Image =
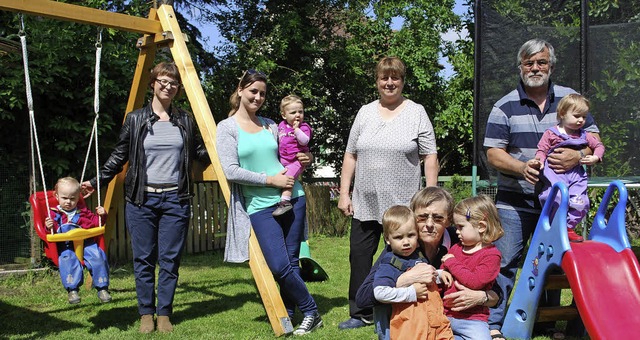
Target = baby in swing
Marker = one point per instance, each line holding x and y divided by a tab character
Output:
66	216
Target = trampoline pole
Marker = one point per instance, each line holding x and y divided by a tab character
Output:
476	94
584	45
474	182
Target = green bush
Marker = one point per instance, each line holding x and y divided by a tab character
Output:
458	187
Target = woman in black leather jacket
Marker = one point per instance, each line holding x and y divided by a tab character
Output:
160	143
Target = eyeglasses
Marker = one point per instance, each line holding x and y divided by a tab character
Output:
543	64
165	83
423	218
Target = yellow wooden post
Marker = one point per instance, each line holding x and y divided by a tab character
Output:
85	15
277	313
114	199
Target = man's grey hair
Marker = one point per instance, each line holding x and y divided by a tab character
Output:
534	46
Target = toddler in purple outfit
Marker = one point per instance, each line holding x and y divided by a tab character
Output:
293	137
572	113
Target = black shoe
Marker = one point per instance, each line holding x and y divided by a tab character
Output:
309	323
283	208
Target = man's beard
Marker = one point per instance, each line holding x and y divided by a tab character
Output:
535	82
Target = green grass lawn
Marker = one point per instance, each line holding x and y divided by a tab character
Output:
214	300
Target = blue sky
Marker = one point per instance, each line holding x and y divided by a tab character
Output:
213	38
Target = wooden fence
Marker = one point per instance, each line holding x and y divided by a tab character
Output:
208	225
207	228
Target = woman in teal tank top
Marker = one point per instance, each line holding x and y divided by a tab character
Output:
248	150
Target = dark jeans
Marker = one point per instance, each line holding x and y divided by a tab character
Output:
363	244
158	230
279	239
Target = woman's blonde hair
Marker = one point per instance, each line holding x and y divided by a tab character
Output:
392	66
396	216
248	77
573	102
288	100
481	208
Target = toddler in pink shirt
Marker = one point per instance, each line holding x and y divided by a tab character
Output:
293	137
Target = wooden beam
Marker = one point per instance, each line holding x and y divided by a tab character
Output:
139	87
545	314
556	281
85	15
269	292
150	41
194	92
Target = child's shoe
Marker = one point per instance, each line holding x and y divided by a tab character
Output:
283	208
309	323
104	295
164	324
74	297
573	236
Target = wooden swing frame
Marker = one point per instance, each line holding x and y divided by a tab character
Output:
160	29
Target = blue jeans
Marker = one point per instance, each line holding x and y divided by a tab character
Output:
381	320
158	230
469	329
518	228
279	239
70	267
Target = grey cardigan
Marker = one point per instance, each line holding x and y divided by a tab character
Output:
238	223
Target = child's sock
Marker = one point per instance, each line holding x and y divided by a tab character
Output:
285	198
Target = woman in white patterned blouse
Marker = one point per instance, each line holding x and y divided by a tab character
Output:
389	139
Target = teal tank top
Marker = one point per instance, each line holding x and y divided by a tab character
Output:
258	152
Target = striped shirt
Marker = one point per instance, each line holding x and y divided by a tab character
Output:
516	124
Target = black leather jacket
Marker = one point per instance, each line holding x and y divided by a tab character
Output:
130	148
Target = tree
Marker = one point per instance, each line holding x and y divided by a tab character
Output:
326	51
454	123
61	67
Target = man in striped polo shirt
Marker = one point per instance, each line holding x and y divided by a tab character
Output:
515	125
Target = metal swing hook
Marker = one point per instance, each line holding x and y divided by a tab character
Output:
99	38
22	31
